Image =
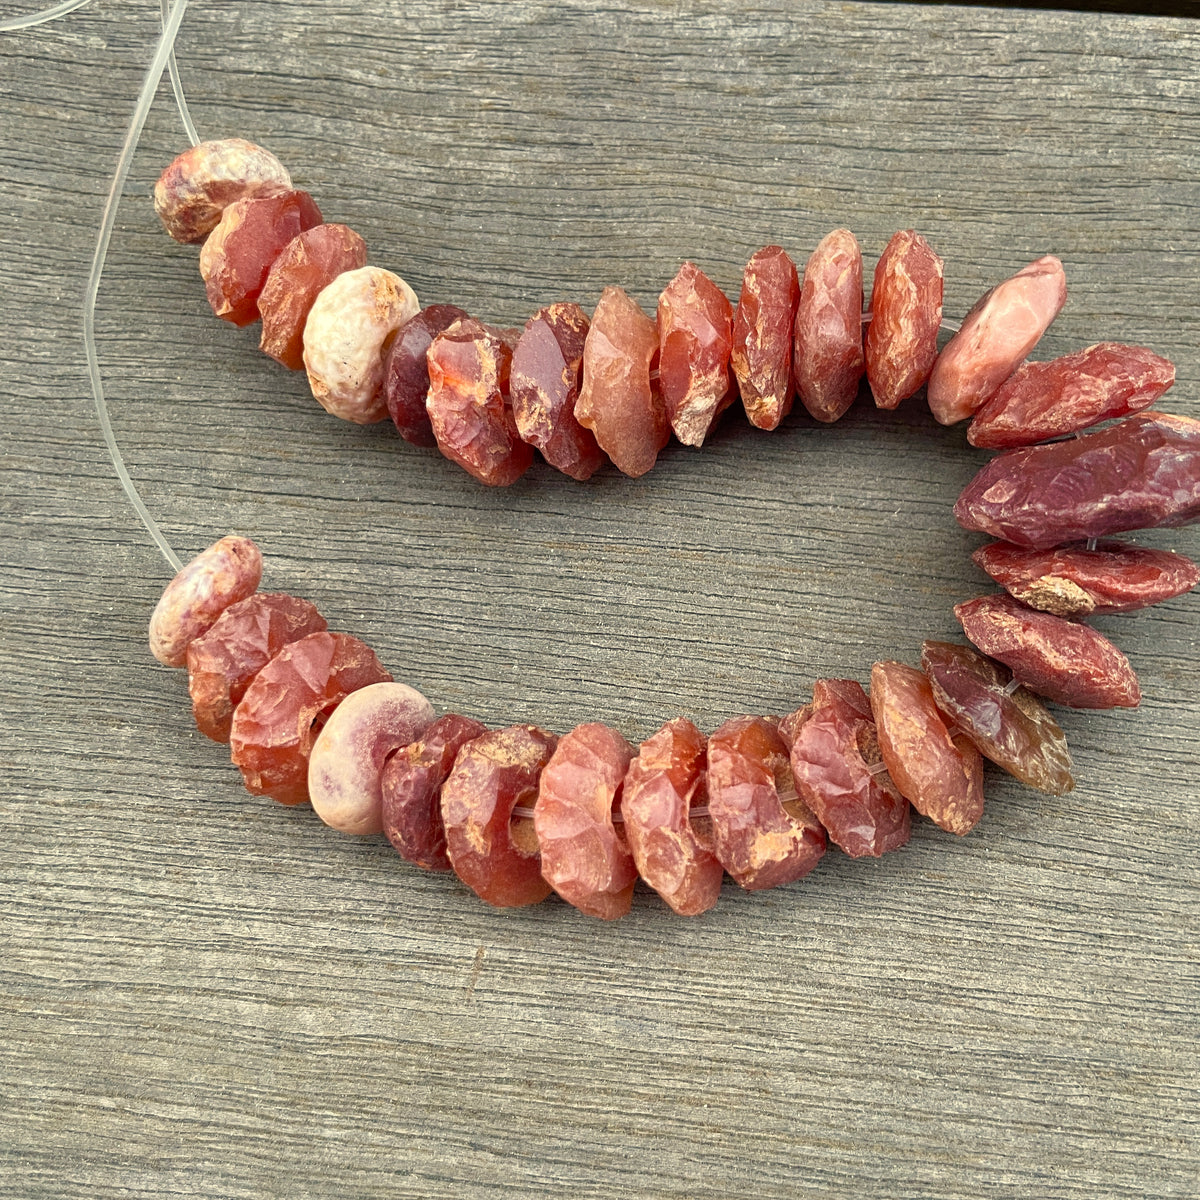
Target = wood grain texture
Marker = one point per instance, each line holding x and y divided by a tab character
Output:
202	994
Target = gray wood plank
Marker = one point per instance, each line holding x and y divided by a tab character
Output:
205	994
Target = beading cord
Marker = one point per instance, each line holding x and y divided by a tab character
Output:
12	24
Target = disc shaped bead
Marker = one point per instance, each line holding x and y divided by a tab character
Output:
412	790
228	571
493	853
307	265
345	767
1064	661
764	834
237	256
193	192
836	763
585	857
1009	725
695	337
468	405
348	327
279	717
620	400
906	314
243	639
829	360
406	371
763	327
547	371
939	772
672	846
1003	327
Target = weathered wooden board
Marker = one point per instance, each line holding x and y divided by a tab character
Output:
204	994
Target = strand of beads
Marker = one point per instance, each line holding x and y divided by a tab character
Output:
312	716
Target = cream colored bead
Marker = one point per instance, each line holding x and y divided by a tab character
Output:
345	337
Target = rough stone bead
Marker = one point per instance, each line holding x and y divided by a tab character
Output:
695	337
547	370
764	834
672	847
1077	581
193	192
306	266
835	760
345	336
280	715
619	400
585	857
761	355
1140	473
1062	660
941	773
237	256
828	347
495	855
1003	327
1048	399
345	768
468	404
906	314
243	639
412	790
1009	726
406	371
228	571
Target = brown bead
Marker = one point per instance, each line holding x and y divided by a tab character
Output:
547	371
906	314
764	834
237	256
306	265
695	337
406	371
619	400
493	853
672	847
763	327
829	360
1062	660
468	404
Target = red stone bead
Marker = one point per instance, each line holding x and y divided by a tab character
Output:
672	847
695	337
244	638
1062	660
585	856
764	834
468	403
835	761
238	254
763	327
1048	399
1140	473
281	713
906	314
305	266
406	371
547	372
1003	327
412	790
939	771
619	400
829	359
493	853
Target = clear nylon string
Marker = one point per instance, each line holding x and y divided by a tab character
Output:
176	83
11	24
166	44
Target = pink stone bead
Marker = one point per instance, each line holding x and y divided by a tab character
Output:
228	571
763	328
1003	327
350	752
